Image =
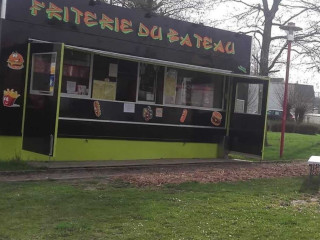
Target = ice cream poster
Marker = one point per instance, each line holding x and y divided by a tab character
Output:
10	97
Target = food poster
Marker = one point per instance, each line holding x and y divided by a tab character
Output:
216	119
159	112
147	113
97	108
15	61
104	90
9	98
170	85
183	115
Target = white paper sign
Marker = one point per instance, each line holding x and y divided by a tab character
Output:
113	70
129	107
71	87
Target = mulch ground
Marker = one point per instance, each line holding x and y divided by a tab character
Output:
213	174
159	175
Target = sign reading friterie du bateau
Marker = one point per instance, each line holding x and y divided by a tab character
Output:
195	44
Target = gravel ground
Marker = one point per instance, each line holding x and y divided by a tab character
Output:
159	175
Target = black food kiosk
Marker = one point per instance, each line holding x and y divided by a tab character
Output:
84	80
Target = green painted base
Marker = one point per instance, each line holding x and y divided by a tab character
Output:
73	149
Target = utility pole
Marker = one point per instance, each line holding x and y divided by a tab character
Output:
290	29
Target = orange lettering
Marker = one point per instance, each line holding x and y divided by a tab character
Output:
106	22
173	35
186	41
88	19
78	15
218	47
207	43
36	6
153	34
199	40
143	31
54	12
230	48
126	26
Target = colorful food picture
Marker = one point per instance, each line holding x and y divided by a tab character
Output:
10	97
183	115
147	114
159	112
97	108
15	61
216	119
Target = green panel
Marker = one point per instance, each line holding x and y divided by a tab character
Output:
93	149
10	148
25	91
58	102
69	149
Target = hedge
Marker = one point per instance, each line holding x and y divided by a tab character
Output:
293	127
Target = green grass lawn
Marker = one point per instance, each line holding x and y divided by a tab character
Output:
259	209
297	146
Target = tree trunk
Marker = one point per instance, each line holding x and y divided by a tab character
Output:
265	49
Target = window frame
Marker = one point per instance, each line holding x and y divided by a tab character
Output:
89	96
236	94
40	92
139	61
195	107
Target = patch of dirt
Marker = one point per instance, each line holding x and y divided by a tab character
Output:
301	203
175	174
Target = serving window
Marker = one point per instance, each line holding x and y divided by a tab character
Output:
76	73
248	98
96	76
188	88
150	83
43	73
114	79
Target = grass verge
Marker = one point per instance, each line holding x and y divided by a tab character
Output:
261	209
297	146
15	165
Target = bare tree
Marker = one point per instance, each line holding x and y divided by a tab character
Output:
279	96
304	101
180	9
259	17
300	99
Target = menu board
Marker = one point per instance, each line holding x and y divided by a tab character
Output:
104	90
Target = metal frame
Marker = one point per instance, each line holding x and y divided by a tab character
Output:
136	123
255	114
161	62
89	86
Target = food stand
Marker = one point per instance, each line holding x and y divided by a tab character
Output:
84	80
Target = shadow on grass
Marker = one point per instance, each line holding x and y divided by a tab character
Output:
310	185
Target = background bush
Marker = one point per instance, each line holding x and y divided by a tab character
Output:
293	127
